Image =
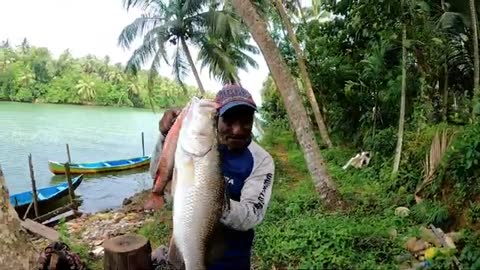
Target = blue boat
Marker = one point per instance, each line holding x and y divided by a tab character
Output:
46	195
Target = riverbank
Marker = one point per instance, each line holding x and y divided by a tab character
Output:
298	233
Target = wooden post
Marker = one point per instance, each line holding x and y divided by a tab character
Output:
143	145
127	252
34	186
68	154
71	192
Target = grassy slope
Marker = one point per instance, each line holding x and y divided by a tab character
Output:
297	233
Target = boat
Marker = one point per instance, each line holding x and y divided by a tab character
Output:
98	167
46	195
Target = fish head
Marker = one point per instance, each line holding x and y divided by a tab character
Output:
198	133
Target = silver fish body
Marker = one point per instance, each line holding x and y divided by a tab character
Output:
199	192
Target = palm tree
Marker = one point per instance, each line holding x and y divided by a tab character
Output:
304	75
401	121
86	89
293	102
174	22
180	21
476	60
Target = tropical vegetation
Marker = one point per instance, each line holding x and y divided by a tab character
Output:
32	74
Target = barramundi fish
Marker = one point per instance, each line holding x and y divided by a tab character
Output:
199	187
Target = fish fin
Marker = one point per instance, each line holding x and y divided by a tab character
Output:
175	257
216	245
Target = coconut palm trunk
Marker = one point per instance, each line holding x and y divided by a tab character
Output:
192	65
401	121
295	110
16	252
304	73
476	64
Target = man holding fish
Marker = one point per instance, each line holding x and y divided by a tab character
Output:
242	184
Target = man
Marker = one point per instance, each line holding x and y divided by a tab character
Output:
248	171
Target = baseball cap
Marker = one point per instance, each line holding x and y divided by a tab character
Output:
233	95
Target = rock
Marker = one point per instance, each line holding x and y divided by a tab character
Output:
404	257
97	242
429	236
416	246
127	201
402	211
98	251
455	236
392	233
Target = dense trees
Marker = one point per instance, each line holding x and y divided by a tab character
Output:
31	74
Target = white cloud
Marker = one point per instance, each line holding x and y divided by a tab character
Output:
91	26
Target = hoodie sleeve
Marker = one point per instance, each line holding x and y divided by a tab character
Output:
256	193
157	151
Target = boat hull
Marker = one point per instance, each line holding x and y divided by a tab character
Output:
48	197
99	167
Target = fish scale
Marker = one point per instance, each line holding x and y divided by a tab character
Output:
200	188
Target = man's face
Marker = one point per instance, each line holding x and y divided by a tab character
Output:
235	127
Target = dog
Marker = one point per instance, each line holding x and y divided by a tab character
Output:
359	161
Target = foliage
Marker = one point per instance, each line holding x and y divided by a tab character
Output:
81	249
213	28
31	74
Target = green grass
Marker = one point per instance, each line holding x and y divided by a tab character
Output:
298	234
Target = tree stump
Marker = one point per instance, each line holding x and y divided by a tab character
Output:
127	252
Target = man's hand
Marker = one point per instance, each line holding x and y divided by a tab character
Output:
167	120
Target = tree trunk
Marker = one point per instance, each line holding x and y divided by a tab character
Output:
192	65
476	71
445	82
16	251
401	122
445	92
127	252
304	73
295	110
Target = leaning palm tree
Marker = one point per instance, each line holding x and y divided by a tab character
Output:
296	112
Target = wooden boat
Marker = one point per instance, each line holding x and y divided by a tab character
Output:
102	166
46	195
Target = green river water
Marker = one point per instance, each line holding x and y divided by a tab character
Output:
93	134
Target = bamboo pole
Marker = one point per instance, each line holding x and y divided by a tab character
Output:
34	186
143	145
68	154
71	192
28	210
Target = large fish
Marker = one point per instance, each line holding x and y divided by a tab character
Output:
199	187
165	166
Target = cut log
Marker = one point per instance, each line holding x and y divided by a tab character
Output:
127	252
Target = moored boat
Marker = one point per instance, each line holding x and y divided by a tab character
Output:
46	195
98	167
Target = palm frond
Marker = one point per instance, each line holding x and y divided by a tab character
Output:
221	65
438	148
137	28
153	45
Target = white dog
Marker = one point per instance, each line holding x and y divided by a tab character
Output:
359	161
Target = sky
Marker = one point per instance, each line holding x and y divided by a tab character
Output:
92	27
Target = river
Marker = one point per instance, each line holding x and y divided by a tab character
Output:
93	134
